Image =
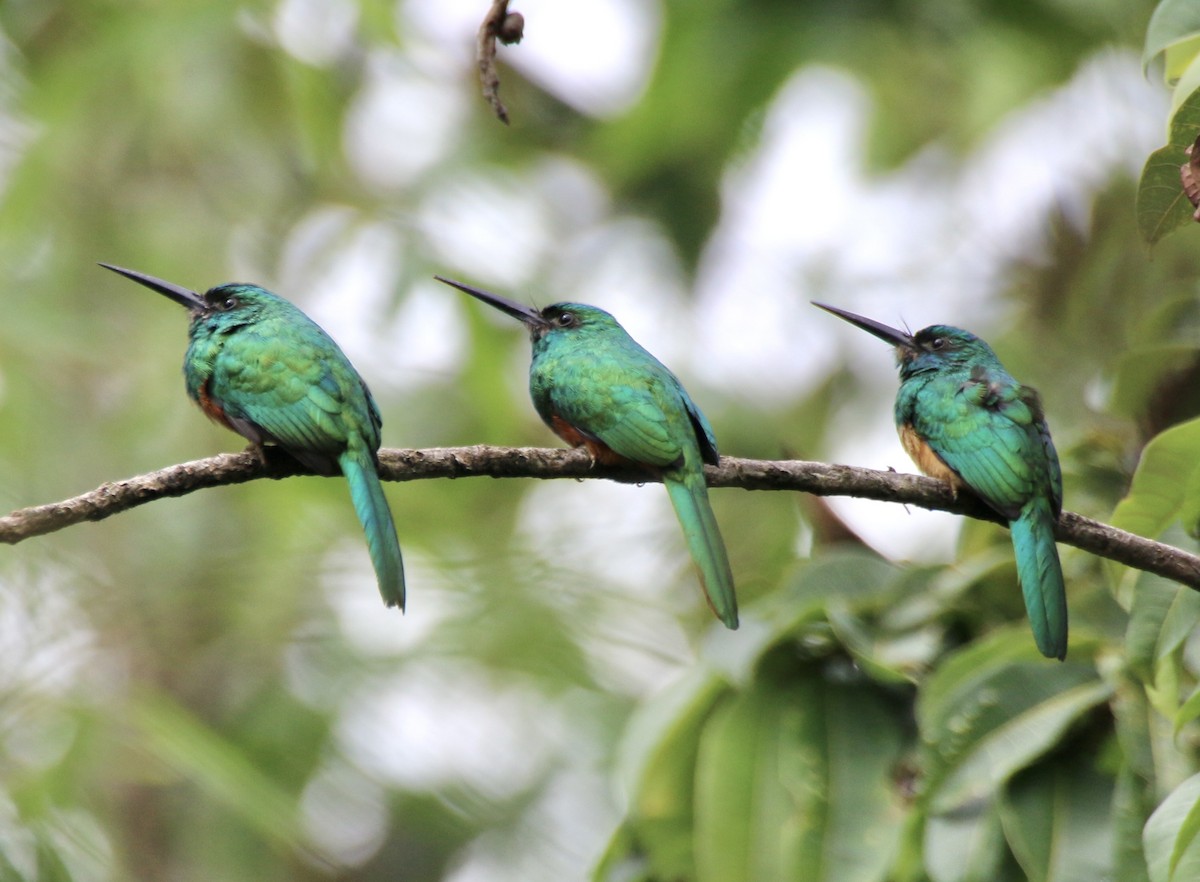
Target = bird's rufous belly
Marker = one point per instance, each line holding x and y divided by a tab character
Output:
928	461
598	450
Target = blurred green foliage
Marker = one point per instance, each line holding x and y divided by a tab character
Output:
207	688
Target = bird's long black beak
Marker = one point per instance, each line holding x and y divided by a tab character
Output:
183	296
880	330
527	315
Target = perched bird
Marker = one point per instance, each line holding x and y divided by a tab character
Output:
595	387
259	366
964	420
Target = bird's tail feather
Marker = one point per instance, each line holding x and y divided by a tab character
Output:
689	495
1041	577
372	508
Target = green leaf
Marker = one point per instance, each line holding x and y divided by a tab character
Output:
794	781
661	728
1163	615
1166	485
1173	23
1188	83
1179	58
881	656
1057	819
1188	711
1182	618
854	581
1140	372
1162	206
656	765
1172	835
1130	811
991	710
966	846
858	581
1136	729
927	595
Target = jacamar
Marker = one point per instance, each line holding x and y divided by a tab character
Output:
596	388
964	420
258	365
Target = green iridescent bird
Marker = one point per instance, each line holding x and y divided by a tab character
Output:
964	420
595	387
259	366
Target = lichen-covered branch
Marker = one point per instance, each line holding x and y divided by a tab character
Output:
818	478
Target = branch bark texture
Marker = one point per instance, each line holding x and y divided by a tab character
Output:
818	478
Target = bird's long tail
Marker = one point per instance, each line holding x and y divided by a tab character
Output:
358	465
689	495
1041	577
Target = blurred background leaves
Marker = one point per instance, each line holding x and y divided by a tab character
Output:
209	687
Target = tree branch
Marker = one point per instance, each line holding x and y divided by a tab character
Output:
817	478
508	28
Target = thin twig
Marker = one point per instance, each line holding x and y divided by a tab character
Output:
498	24
818	478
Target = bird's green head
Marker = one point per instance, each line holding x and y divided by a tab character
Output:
558	318
231	304
934	348
941	346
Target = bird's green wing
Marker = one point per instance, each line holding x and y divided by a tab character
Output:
302	393
1047	446
991	432
638	420
606	386
704	433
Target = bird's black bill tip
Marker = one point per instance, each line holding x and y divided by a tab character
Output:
880	330
453	284
519	311
183	296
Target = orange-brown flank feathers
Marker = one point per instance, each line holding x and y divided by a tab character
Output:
928	461
597	450
211	407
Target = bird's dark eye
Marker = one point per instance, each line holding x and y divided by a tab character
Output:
937	342
229	303
565	319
